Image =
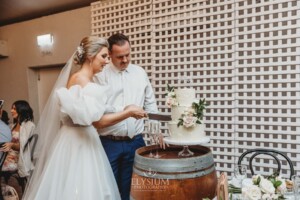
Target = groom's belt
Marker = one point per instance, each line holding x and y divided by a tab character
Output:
118	138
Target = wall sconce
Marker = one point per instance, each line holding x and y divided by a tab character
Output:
45	42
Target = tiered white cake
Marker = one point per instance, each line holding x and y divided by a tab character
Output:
182	111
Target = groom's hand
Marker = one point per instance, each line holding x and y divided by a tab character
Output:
136	111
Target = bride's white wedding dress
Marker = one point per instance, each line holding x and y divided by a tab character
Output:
77	166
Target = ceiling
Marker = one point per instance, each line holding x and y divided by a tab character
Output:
13	11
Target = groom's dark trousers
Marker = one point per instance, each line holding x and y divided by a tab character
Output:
120	152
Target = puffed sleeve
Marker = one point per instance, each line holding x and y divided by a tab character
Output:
82	108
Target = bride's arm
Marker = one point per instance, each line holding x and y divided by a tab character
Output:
114	118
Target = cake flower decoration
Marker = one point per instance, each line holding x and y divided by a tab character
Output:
171	97
193	115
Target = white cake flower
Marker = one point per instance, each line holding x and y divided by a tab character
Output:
171	102
189	111
171	94
189	121
171	97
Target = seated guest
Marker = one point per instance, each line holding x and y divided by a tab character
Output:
5	133
22	129
4	117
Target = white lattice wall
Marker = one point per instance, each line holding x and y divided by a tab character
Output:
242	55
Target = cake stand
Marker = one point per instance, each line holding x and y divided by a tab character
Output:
186	152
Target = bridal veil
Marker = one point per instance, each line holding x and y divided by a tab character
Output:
47	128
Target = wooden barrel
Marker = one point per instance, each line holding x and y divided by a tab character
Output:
171	177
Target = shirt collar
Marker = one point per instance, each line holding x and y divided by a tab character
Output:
116	70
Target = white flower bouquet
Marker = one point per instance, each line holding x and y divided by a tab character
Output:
263	188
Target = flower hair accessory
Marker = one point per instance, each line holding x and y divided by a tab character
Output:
80	51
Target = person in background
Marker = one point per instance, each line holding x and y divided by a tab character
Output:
4	117
5	132
23	127
129	85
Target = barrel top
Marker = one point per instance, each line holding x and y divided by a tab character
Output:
172	152
169	162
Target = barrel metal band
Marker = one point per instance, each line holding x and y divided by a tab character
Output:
153	174
174	165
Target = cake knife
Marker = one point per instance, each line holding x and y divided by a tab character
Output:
160	117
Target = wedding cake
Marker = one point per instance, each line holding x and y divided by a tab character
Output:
186	113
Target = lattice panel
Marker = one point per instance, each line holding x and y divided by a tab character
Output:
132	18
267	78
242	56
191	42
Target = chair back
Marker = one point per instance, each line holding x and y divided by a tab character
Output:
2	159
269	152
31	143
2	156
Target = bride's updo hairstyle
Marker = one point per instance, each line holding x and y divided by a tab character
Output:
89	47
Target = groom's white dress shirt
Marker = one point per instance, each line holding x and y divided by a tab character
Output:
127	87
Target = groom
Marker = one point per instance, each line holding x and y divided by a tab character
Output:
129	84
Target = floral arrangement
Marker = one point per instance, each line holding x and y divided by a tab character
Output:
192	115
270	188
171	97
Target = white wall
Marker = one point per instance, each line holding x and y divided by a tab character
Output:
68	28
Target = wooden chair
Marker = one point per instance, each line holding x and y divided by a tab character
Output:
32	140
270	152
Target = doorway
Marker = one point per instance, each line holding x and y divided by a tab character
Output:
41	81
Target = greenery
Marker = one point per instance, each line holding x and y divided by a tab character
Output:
197	113
170	88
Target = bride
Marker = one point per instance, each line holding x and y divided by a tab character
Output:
71	162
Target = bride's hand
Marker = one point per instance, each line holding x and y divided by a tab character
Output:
135	111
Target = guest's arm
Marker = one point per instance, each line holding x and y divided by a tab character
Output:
10	145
